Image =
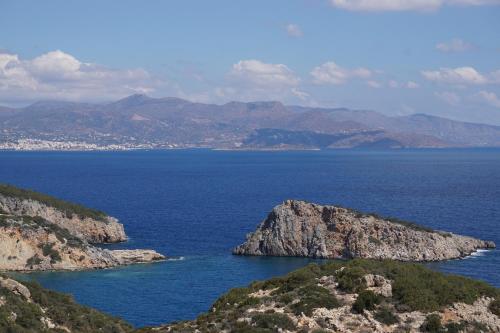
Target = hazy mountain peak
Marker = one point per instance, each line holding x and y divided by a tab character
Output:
134	99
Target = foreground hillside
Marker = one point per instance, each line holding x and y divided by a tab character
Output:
303	229
28	308
139	121
40	232
354	296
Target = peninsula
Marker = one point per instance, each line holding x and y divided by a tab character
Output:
40	232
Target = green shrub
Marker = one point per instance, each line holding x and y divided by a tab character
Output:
386	316
366	300
494	307
285	298
455	327
234	298
313	297
407	224
426	290
48	250
273	321
351	279
432	324
59	307
33	261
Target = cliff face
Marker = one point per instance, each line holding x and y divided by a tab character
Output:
105	230
29	244
38	232
297	228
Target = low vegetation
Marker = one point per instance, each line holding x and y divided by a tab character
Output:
386	316
495	307
395	220
68	208
19	316
367	300
415	288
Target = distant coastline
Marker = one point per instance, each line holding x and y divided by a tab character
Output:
76	146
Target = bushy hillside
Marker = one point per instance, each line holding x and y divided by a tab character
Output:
28	308
353	296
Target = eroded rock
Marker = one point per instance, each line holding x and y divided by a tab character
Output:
298	228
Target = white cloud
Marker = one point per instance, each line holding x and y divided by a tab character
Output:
406	5
489	98
293	30
331	73
302	95
449	97
263	74
459	76
374	84
58	75
455	45
256	80
412	85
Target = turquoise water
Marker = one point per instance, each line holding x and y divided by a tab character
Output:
199	204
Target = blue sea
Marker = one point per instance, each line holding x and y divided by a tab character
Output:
196	205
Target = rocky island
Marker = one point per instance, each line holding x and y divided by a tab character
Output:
302	229
40	232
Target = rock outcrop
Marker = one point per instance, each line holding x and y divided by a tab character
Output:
31	244
298	228
35	235
90	225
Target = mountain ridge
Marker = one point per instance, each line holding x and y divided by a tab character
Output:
142	121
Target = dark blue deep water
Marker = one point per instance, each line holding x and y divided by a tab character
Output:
198	204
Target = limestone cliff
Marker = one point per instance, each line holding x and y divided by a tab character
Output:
298	228
38	232
88	224
35	244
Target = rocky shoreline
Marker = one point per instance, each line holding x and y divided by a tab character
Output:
39	233
302	229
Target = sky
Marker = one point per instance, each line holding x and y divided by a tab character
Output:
398	57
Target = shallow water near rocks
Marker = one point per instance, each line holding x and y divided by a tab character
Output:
197	205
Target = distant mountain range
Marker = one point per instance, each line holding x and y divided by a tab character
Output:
141	121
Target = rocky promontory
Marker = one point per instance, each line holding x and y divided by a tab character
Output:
302	229
88	224
38	232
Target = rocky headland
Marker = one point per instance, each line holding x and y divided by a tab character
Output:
302	229
39	232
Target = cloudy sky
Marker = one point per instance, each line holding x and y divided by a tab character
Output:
398	57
